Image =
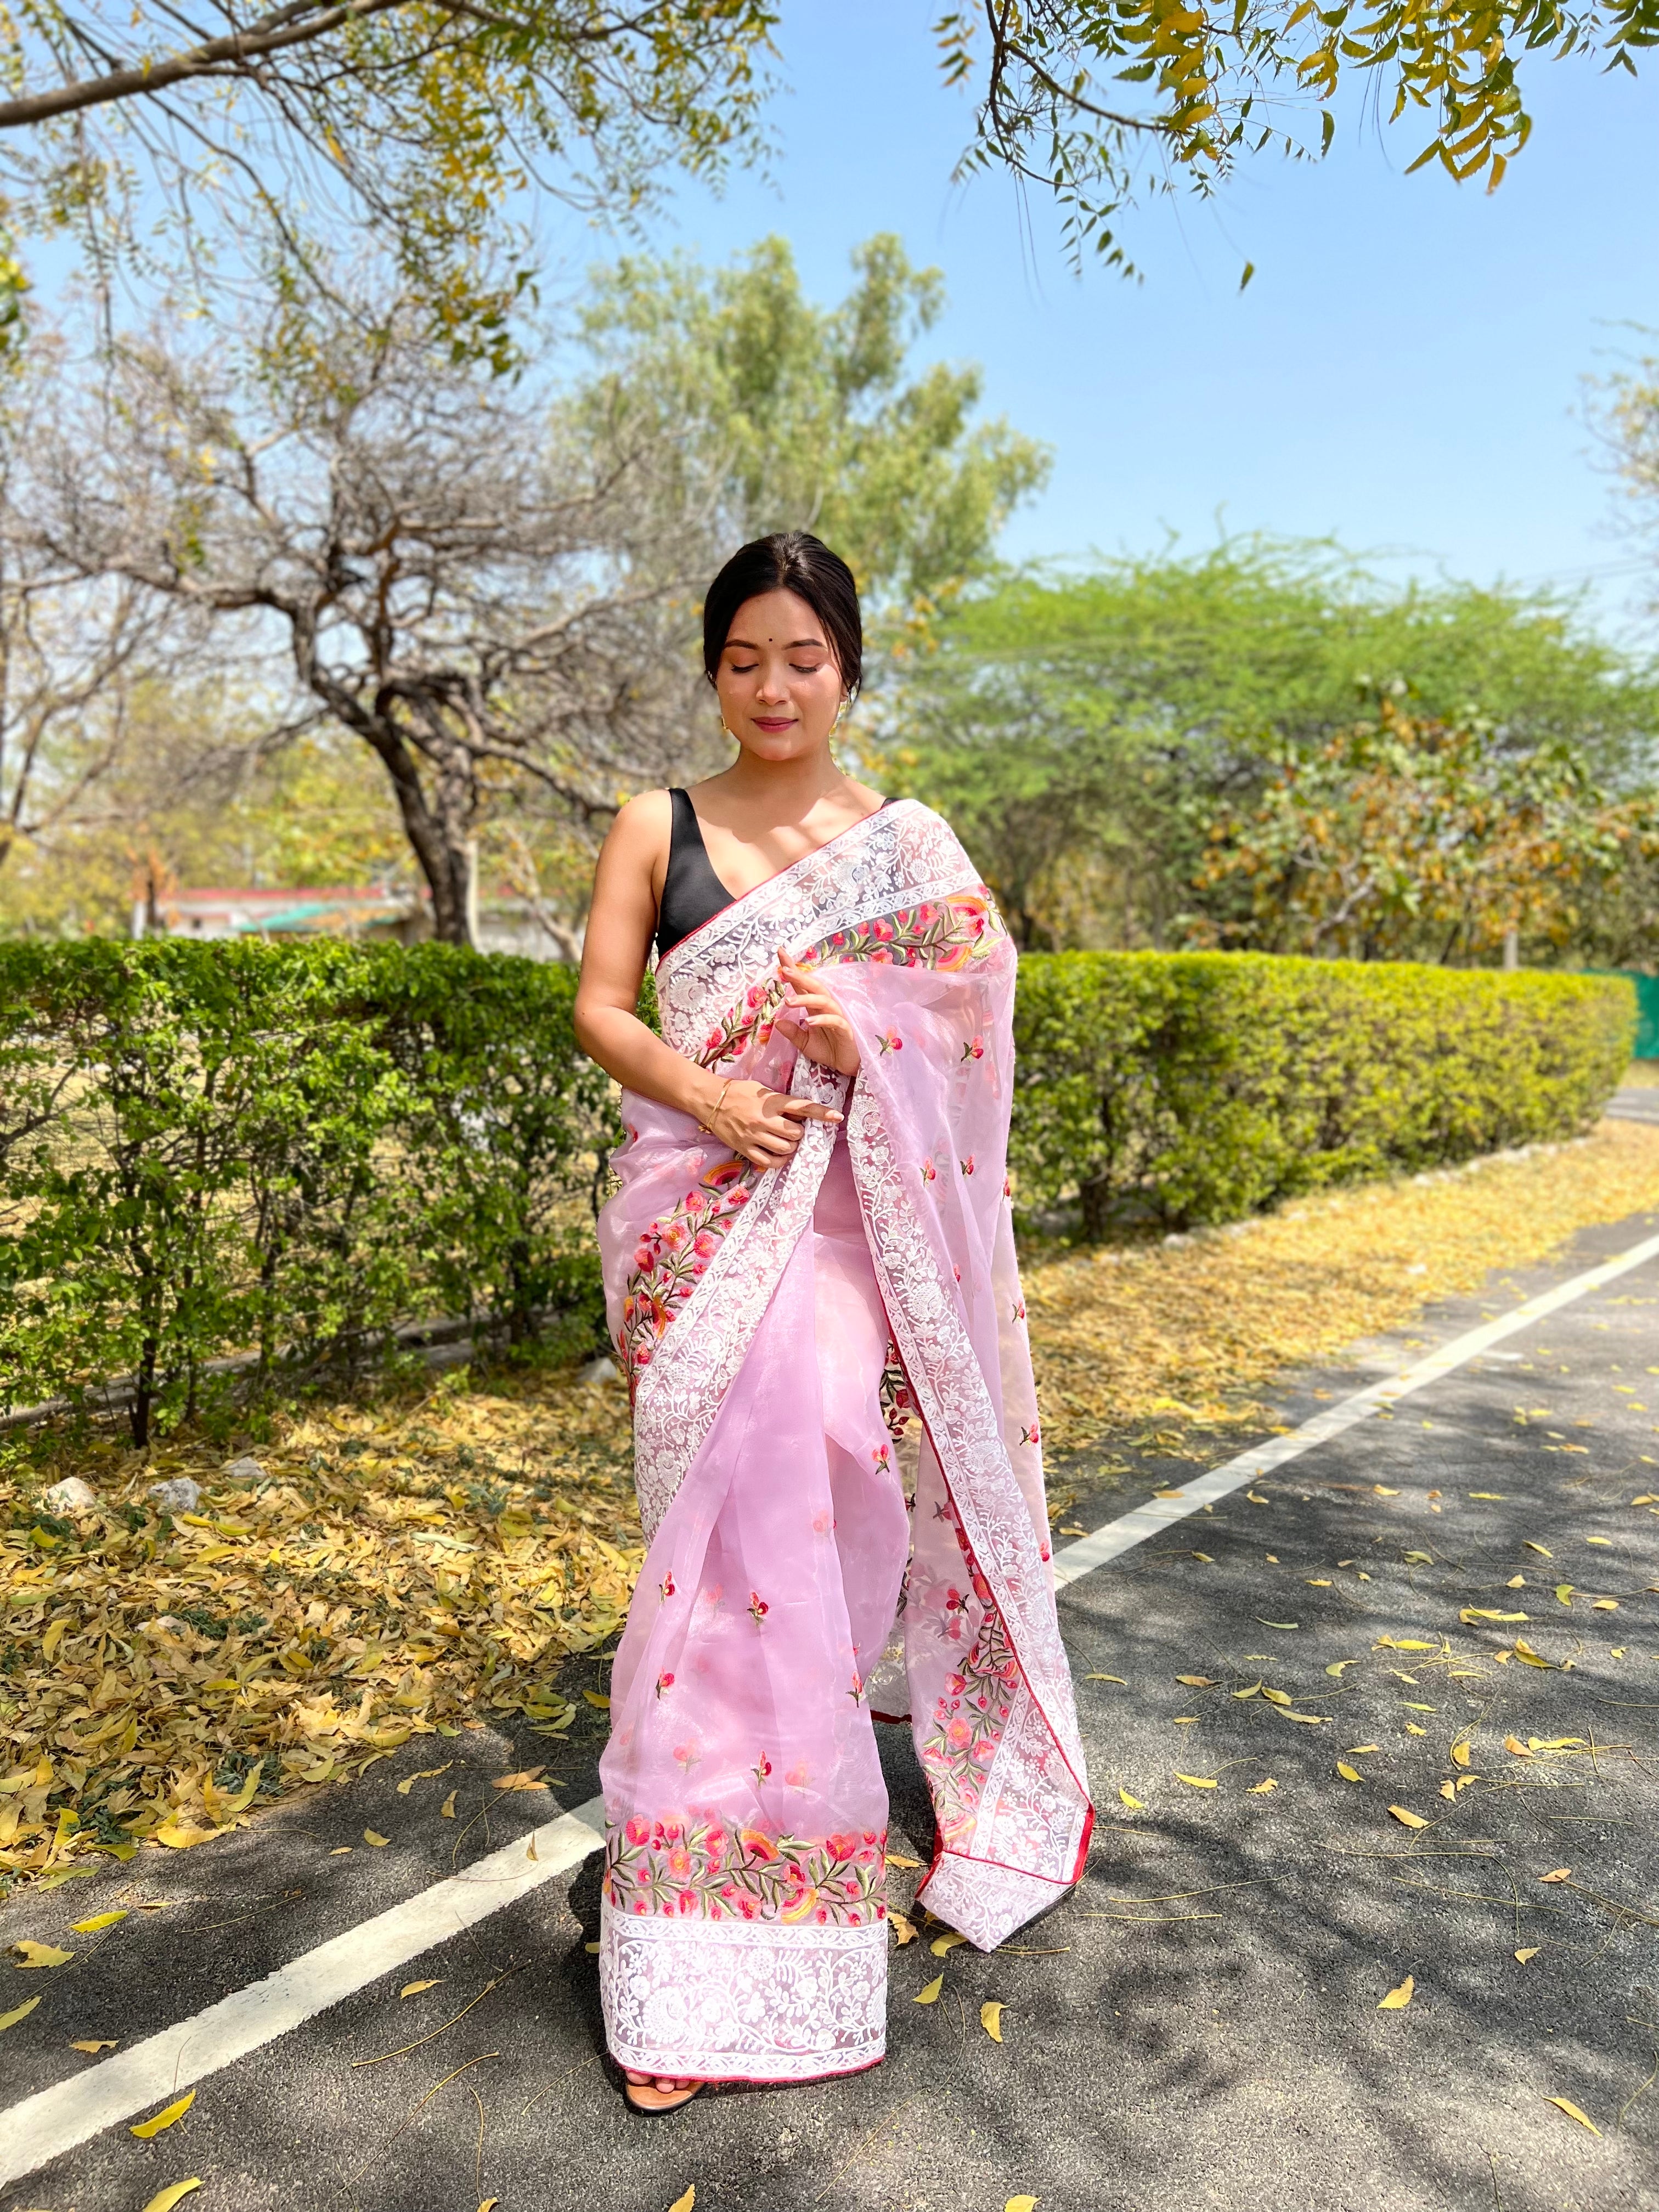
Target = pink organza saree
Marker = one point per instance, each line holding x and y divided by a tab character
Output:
778	1330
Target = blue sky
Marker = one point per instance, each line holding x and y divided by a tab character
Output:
1404	370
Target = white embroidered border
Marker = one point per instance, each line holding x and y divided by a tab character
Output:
901	855
680	1392
754	1999
943	1371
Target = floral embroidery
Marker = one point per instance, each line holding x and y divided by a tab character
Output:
699	1867
967	1167
1018	1309
897	1406
1033	1435
970	1717
929	1172
664	1682
758	1608
671	1256
945	934
973	1049
665	1587
889	1041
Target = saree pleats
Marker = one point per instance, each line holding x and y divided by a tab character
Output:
776	1329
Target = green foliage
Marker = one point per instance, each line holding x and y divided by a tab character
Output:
208	1150
1406	838
1082	733
1197	1087
797	416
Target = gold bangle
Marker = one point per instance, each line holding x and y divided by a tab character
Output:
719	1102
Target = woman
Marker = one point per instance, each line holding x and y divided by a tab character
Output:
812	1241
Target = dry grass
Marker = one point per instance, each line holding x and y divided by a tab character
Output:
1165	1343
384	1572
402	1567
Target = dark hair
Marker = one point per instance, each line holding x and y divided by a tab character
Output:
788	561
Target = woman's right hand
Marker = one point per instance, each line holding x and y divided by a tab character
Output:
765	1127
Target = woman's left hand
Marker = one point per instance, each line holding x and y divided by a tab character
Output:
823	1031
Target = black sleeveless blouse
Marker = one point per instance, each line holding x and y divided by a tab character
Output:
692	893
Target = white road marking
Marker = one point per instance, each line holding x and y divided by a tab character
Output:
43	2127
151	2072
1117	1537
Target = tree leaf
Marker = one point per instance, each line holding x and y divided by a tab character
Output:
1565	2105
990	2018
597	1698
1406	1818
1543	1549
1196	1682
174	2193
685	2204
1397	2000
1133	1803
527	1780
97	1920
948	1941
930	1995
1198	1780
1560	1874
1020	2204
414	1989
1260	1789
1107	1678
904	1931
1461	1751
1531	1952
40	1954
1348	1773
446	1810
164	2117
373	1836
92	2048
21	2012
1337	1665
898	1859
426	1774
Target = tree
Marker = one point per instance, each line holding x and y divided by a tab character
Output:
1412	839
268	132
492	585
812	417
1083	731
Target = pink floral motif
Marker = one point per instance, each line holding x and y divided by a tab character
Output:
967	1165
762	1768
973	1049
673	1255
881	1455
665	1587
1019	1309
758	1608
889	1041
664	1682
1034	1434
945	934
698	1867
897	1404
929	1172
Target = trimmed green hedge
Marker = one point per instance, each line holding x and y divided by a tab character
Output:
212	1149
1201	1086
209	1149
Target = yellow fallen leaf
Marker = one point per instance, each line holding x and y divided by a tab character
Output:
990	2018
1348	1773
1598	1539
1397	2000
426	1774
1492	1494
446	1810
929	1995
1564	1594
1277	1696
178	1838
904	1931
1531	1952
98	1920
1265	1623
1256	1497
597	1698
1358	1750
526	1779
1196	1682
1523	1650
1254	1691
1107	1678
1565	2105
685	2204
165	2118
174	2193
1560	1874
1406	1818
105	2042
341	1851
898	1859
1204	1556
1168	1493
414	1989
370	1835
1605	1605
1474	1613
1412	1728
21	2012
1382	1490
1197	1781
53	1636
1030	2203
1133	1803
1337	1665
1313	1582
1515	1581
40	1954
1448	1790
1260	1789
1542	1549
1461	1751
489	2204
1514	1745
948	1941
592	1949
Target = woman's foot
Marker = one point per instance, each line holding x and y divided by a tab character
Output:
658	2092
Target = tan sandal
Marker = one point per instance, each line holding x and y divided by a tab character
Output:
664	2100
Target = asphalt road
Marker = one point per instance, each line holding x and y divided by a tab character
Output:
1198	2026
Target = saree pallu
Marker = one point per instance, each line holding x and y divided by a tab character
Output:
778	1329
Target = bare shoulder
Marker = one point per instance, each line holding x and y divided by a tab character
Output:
869	799
642	827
